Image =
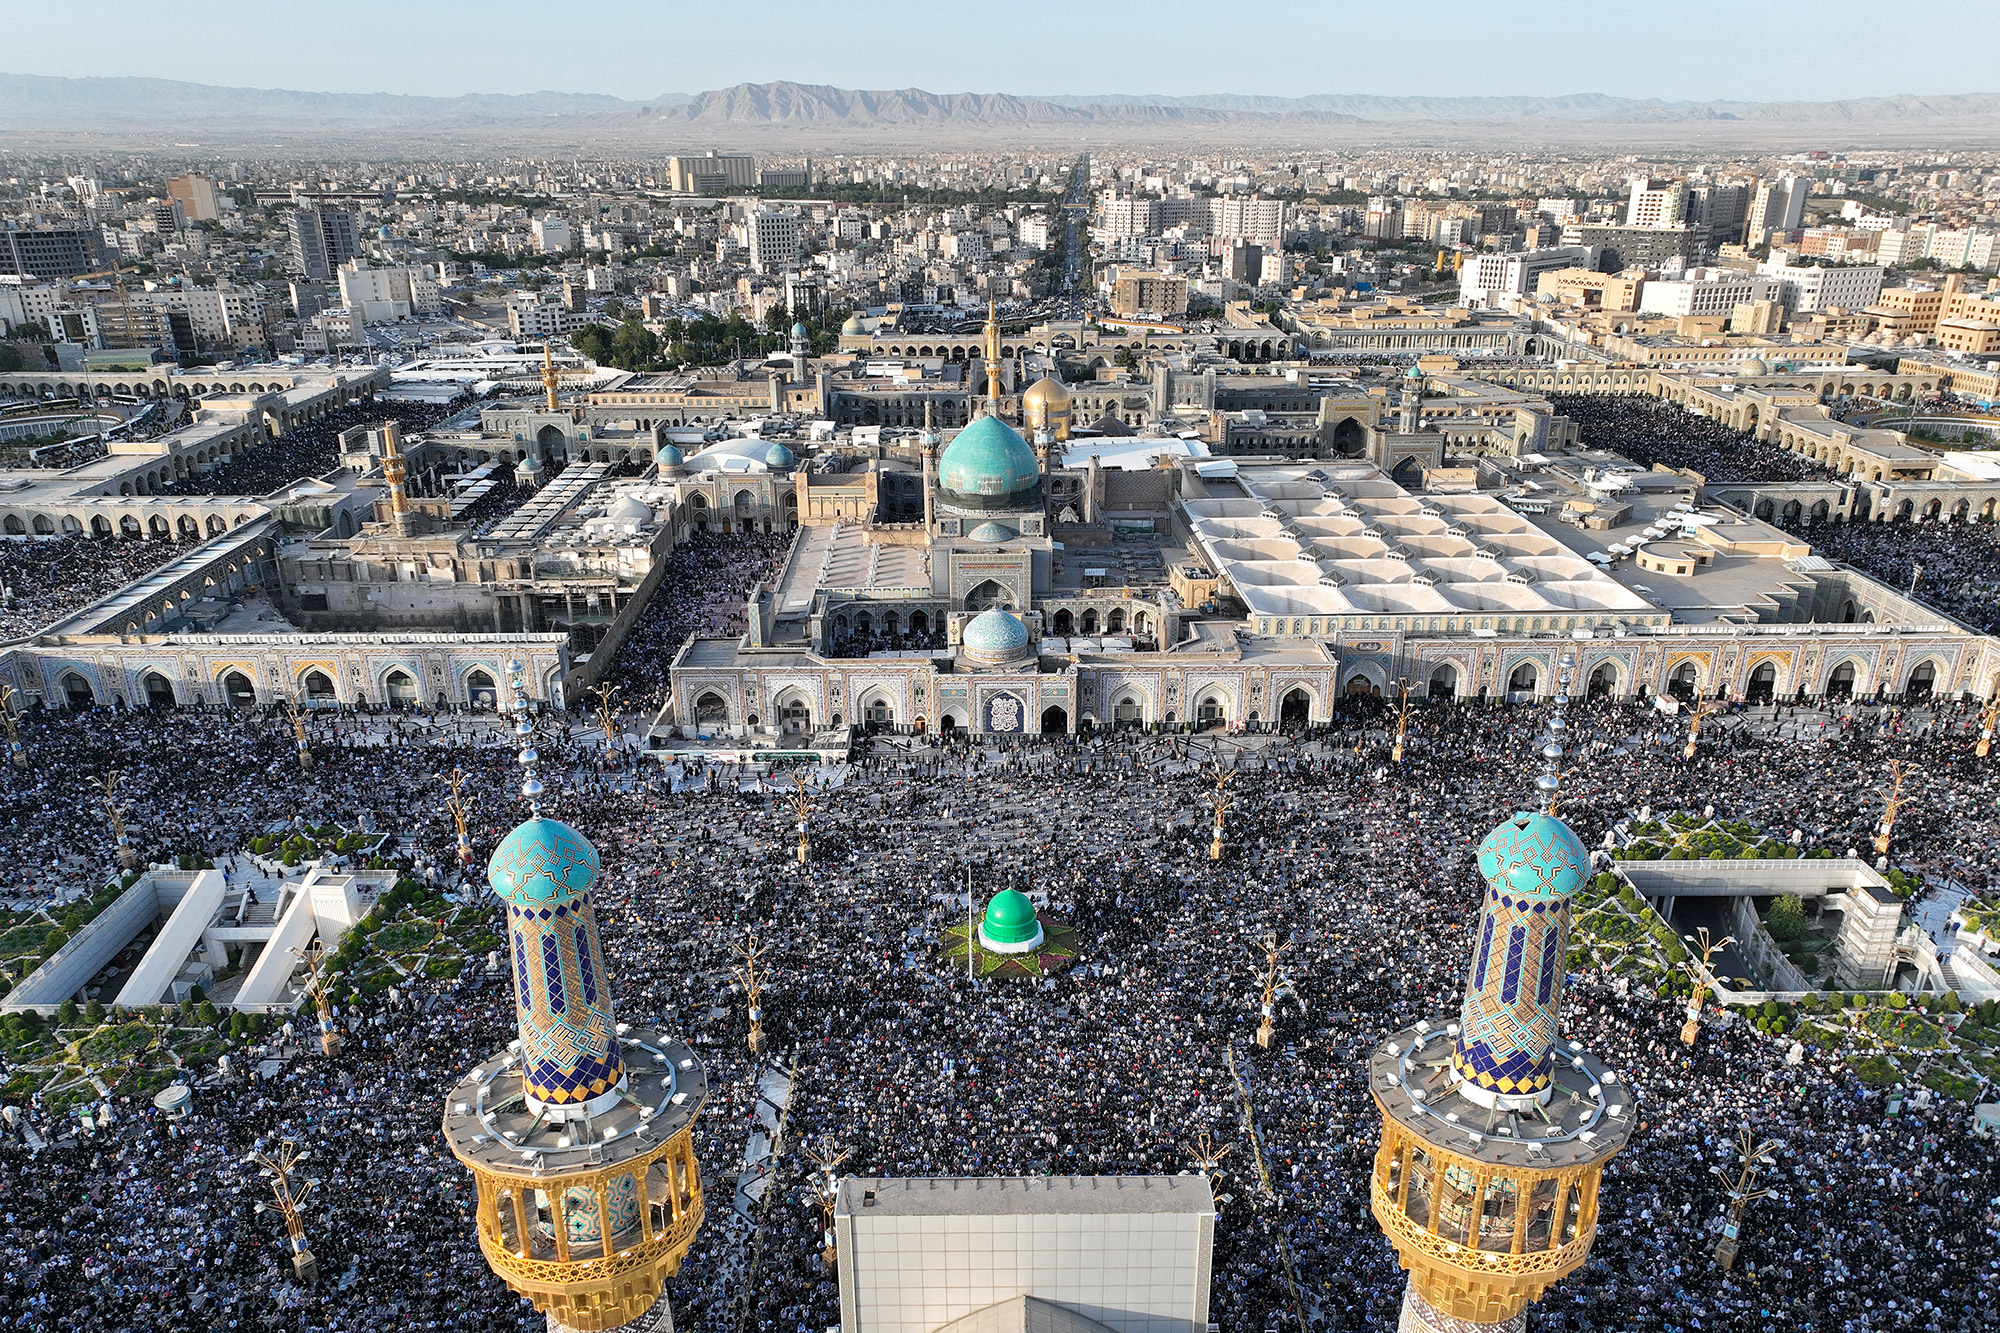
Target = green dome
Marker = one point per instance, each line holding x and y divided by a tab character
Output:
989	460
1010	918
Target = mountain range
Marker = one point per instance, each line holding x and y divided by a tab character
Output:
140	110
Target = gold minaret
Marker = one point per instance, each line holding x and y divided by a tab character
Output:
1494	1134
992	357
580	1135
396	473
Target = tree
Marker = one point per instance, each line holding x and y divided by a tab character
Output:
1786	919
67	1014
1125	360
10	358
594	341
634	346
93	1012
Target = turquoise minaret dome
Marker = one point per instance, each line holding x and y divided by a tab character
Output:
778	456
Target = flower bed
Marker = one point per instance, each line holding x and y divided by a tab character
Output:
1056	953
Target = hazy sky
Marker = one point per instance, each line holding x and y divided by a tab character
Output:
1757	50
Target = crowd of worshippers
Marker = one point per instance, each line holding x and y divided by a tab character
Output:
45	579
1116	1066
702	595
1952	566
1654	432
311	449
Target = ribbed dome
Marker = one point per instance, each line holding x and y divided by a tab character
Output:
778	456
995	633
541	864
990	531
1010	918
668	455
1534	856
629	508
990	460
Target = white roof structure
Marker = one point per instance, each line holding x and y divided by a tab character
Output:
1341	540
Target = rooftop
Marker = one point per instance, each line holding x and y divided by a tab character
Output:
957	1196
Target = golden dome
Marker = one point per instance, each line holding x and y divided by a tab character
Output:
1046	406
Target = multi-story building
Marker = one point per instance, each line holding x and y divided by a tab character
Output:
1778	205
1255	219
1147	294
376	294
1655	203
1621	247
1805	289
711	172
48	252
1717	212
772	238
323	238
1705	291
530	316
1488	277
196	196
552	235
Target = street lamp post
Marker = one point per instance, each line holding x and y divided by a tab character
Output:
107	787
1402	721
752	953
1268	1026
277	1168
18	751
1702	975
1222	803
827	1157
1742	1193
314	956
299	732
454	804
1891	804
1988	717
1694	727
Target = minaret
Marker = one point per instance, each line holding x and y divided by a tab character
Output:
396	473
551	378
1412	401
579	1135
1494	1133
992	357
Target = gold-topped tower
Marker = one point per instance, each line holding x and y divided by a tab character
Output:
1494	1132
580	1135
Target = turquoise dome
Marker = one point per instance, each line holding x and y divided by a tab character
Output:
1010	918
777	456
852	326
995	633
990	459
668	455
798	328
543	863
989	531
1534	857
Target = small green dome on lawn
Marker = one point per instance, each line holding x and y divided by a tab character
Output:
1010	919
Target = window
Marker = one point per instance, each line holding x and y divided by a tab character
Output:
1517	947
585	972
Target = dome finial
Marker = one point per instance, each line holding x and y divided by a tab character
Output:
1550	781
524	731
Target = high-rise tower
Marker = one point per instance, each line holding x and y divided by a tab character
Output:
580	1134
1494	1131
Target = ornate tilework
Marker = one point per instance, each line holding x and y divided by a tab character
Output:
1532	864
569	1046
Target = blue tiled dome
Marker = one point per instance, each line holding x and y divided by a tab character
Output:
777	456
543	863
995	633
798	328
990	531
668	455
988	458
1534	856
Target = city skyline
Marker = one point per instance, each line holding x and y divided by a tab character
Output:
1527	48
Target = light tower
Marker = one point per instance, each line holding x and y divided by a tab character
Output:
1494	1132
579	1135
